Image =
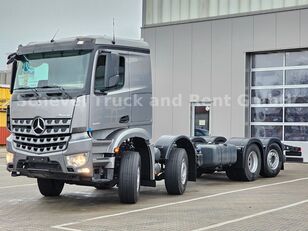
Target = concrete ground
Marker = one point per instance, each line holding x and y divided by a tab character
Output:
212	203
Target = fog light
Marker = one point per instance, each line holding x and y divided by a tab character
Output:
9	158
77	160
83	170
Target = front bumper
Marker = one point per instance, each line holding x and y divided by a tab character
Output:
54	166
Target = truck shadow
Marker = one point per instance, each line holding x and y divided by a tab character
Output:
219	176
83	200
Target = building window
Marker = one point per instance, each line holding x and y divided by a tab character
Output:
162	11
200	119
279	95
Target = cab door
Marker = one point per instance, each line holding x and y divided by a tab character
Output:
110	98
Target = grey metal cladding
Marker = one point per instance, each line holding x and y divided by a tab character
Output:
118	137
56	46
44	108
80	116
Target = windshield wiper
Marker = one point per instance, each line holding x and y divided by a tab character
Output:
59	87
28	88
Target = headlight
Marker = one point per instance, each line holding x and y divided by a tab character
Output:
77	160
9	157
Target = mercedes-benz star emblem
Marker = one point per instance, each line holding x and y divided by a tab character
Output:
38	125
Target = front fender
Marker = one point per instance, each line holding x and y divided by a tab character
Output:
119	136
116	138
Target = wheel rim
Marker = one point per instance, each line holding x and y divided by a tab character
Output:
273	159
253	162
183	172
138	179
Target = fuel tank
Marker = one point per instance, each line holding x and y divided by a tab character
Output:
215	155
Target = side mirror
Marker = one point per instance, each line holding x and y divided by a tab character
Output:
112	70
11	58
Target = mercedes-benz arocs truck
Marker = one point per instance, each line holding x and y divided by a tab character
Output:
81	113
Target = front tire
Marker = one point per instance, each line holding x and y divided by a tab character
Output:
129	178
50	188
272	161
176	173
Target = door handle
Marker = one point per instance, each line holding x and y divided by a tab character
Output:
124	119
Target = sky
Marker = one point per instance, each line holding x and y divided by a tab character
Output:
24	21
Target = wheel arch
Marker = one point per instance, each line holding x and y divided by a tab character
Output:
165	145
242	145
141	141
208	139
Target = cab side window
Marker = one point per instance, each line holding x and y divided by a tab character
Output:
112	80
100	73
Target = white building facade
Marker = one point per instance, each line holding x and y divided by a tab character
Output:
231	67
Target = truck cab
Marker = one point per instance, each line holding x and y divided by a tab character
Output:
71	100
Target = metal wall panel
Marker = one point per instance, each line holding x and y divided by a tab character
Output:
202	59
159	11
221	76
181	80
218	63
242	40
288	27
163	83
264	32
303	28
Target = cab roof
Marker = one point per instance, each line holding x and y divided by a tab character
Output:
83	43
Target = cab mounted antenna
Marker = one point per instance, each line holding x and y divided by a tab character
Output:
53	38
113	33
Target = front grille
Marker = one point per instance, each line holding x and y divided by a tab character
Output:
54	138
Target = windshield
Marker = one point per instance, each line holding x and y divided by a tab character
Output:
65	69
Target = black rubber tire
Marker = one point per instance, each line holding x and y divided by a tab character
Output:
244	174
50	188
173	178
266	171
129	188
233	174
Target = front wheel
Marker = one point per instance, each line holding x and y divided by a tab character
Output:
50	188
272	161
176	172
129	178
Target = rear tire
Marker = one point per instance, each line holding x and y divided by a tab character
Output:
50	188
252	166
176	173
129	178
233	174
272	161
